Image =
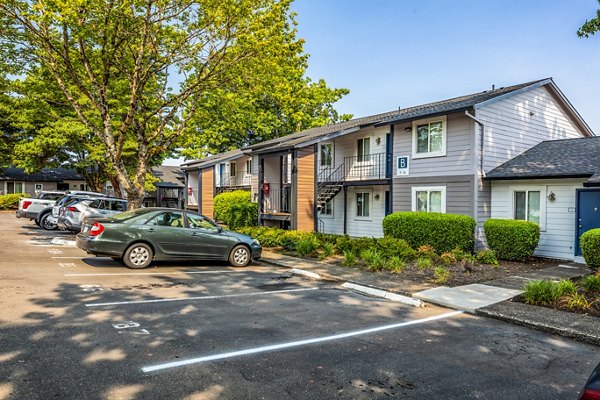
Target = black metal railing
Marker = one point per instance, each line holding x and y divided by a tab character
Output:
330	175
226	180
277	200
368	166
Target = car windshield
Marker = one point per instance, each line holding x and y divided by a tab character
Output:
129	214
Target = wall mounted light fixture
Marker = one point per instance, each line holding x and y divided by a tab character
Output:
407	129
551	196
378	140
376	197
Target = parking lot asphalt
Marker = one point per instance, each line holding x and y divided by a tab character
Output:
74	326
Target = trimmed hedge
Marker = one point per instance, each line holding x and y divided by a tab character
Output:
512	239
590	247
444	232
235	209
11	201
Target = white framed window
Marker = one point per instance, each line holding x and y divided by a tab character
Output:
326	155
363	149
529	204
429	199
363	204
14	187
249	167
429	137
327	210
232	169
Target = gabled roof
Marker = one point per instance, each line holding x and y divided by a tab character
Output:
45	175
169	176
212	160
566	158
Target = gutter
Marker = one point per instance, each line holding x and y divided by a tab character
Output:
480	140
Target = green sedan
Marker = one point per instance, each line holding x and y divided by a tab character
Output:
139	236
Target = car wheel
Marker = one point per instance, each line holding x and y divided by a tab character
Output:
36	222
240	256
138	256
47	225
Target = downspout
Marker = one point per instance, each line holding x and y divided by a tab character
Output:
479	240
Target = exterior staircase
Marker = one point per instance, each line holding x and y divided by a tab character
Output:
330	184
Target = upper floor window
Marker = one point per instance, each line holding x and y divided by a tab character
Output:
429	199
326	154
248	167
429	137
363	149
232	169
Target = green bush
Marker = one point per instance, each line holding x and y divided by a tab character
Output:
355	245
328	250
512	239
307	246
487	257
236	209
547	292
590	247
444	232
349	258
392	247
395	264
11	201
373	258
268	237
290	239
591	283
441	275
424	263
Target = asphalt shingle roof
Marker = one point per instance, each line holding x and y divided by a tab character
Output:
555	159
45	175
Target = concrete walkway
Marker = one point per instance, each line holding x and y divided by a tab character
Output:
491	299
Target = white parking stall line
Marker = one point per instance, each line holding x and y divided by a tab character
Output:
224	296
299	343
164	273
79	257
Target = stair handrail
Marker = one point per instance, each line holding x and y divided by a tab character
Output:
334	178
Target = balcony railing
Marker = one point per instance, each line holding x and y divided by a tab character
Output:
358	168
241	179
277	201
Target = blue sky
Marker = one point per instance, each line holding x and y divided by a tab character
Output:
403	53
408	52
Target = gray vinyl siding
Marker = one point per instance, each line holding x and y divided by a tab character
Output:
459	192
459	154
518	122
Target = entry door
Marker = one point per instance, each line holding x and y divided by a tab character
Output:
588	213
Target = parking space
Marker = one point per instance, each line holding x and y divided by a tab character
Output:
85	327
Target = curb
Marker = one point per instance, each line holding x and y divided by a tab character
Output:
349	285
564	331
383	294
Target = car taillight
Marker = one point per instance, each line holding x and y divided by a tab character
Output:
590	394
26	204
72	209
96	229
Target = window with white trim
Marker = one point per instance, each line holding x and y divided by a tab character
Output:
527	205
363	149
327	209
249	167
363	206
429	199
429	137
326	153
232	169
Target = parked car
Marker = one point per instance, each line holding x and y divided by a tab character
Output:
591	390
48	217
77	210
139	236
31	207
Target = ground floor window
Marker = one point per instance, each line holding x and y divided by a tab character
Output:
328	209
362	204
527	205
14	187
429	199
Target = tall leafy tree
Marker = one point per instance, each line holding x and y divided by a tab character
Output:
136	72
590	26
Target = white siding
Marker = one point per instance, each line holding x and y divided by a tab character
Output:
192	199
254	180
459	155
357	226
519	122
557	239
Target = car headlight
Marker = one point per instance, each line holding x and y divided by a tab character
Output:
255	241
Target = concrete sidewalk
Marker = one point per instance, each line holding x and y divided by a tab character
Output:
490	299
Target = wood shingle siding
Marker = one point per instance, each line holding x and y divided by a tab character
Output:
208	187
305	199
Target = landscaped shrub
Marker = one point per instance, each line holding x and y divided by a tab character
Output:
9	201
235	209
373	258
487	257
591	283
441	275
447	258
355	245
349	258
392	247
547	292
328	249
268	237
395	264
426	251
512	239
290	239
442	231
590	247
307	246
424	263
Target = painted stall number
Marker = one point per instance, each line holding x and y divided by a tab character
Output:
129	325
91	288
